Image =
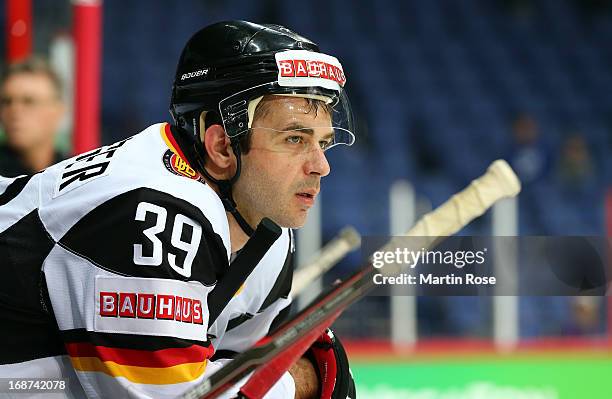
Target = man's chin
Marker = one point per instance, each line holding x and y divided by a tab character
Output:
292	222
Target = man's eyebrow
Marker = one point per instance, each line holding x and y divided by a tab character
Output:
304	129
297	126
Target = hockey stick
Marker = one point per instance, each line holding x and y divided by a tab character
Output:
281	349
347	240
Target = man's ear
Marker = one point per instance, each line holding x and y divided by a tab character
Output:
220	157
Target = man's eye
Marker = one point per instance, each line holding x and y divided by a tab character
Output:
294	139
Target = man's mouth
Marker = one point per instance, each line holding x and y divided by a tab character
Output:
307	197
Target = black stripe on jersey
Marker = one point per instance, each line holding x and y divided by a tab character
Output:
28	331
236	321
223	354
280	318
14	189
107	236
27	336
128	341
282	285
266	233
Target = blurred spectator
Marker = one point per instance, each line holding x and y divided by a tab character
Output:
576	168
529	156
579	186
31	109
585	316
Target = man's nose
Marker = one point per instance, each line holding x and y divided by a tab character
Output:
316	163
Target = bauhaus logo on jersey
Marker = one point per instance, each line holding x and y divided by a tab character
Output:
141	305
150	306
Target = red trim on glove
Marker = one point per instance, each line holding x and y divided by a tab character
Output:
323	353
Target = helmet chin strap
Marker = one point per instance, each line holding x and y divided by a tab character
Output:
225	192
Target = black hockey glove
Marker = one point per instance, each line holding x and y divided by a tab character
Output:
332	367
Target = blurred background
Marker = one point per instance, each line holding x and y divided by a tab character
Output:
439	90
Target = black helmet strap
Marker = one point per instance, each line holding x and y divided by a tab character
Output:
194	155
225	191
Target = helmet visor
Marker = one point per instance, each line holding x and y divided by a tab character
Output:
322	115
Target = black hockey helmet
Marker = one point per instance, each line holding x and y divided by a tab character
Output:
226	68
227	64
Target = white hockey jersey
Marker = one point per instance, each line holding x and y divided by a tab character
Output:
108	259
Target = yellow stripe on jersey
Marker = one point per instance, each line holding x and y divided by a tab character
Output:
143	375
165	138
239	290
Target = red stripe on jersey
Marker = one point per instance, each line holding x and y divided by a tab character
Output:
142	358
172	141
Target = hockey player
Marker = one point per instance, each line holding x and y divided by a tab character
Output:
111	259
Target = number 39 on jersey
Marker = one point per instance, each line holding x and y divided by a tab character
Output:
185	235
